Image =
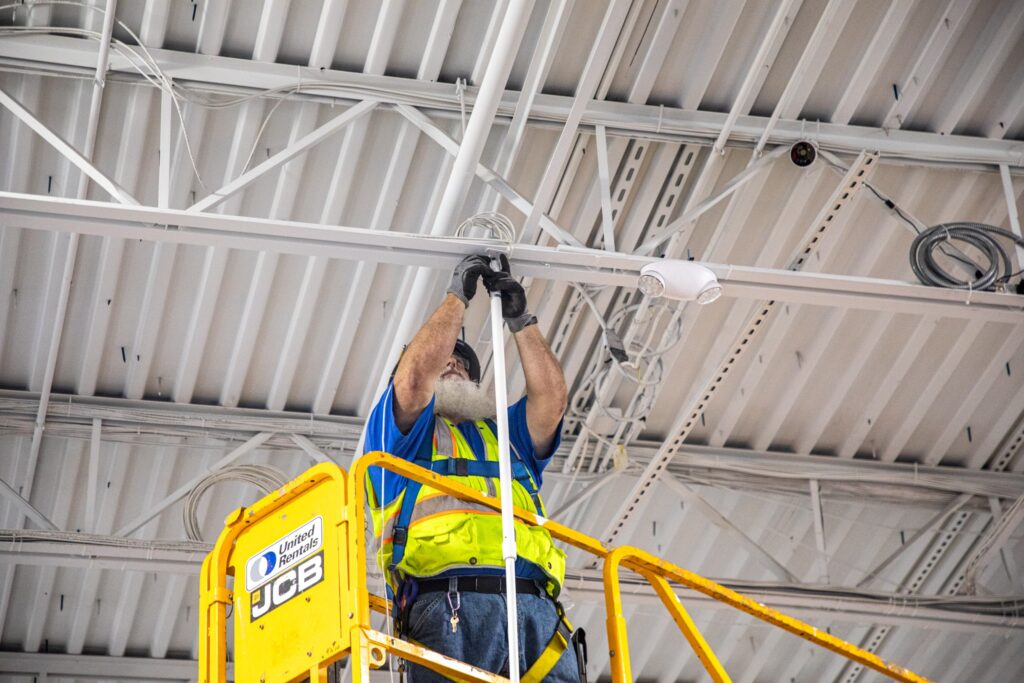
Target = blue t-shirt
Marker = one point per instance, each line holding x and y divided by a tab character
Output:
382	434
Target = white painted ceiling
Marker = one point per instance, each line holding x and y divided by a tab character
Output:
824	366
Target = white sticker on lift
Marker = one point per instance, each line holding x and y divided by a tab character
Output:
284	553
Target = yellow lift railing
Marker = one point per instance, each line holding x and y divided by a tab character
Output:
300	598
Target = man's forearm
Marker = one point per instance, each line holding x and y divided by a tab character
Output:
425	358
545	386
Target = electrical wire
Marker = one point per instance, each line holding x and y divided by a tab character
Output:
995	271
263	477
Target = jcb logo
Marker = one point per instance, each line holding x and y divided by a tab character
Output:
275	593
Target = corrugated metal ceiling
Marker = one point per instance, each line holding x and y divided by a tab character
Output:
156	324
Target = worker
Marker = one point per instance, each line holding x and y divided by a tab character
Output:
442	557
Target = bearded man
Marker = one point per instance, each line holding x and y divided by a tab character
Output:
442	557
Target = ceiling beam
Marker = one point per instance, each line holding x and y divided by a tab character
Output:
567	264
38	547
18	408
102	666
73	55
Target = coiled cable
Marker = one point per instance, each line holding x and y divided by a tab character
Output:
996	269
263	477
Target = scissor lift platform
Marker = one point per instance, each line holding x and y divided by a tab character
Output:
292	568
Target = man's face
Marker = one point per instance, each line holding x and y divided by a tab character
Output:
455	368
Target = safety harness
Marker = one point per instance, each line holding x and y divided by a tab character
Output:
442	460
448	465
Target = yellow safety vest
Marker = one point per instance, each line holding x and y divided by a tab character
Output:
437	533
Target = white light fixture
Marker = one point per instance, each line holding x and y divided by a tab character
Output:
682	280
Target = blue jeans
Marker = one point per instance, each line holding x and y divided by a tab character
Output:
481	636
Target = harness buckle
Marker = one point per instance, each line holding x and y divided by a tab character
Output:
399	535
461	466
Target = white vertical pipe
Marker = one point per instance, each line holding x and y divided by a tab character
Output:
484	108
72	250
607	222
94	476
1011	207
508	530
819	529
164	193
464	166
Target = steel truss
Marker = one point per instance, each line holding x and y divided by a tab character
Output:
71	55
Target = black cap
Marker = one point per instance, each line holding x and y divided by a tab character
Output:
466	353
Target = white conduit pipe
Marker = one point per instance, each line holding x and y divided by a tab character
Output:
508	531
72	250
485	106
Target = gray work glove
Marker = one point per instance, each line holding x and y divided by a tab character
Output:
513	297
465	276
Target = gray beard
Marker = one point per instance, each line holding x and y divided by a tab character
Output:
460	400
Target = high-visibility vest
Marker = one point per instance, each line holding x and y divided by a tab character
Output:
423	532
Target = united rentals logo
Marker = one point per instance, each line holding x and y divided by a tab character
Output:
284	553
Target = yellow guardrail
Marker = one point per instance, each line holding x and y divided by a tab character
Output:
300	598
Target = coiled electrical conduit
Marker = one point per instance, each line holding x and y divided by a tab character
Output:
263	477
997	272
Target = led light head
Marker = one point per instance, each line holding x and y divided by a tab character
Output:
682	280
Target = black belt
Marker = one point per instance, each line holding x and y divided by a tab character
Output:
478	584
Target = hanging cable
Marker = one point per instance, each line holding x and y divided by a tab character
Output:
994	270
263	477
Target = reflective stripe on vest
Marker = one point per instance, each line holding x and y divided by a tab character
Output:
436	532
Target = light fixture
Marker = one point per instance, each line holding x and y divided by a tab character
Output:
682	280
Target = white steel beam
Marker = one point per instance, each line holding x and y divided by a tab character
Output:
819	530
577	265
989	545
622	118
184	558
93	481
47	576
26	507
605	185
101	666
285	155
182	491
719	520
931	527
81	161
741	327
828	326
216	421
1011	207
500	185
58	143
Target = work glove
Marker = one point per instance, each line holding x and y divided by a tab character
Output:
465	276
513	297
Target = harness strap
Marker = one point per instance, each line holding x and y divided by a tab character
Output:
519	466
552	652
400	532
464	467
